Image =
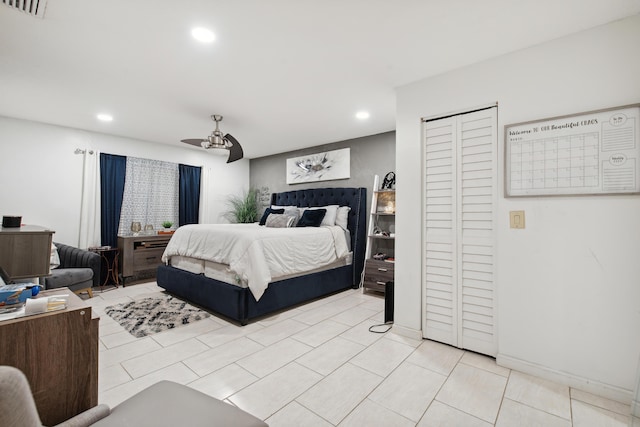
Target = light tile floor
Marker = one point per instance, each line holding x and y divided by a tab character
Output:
318	365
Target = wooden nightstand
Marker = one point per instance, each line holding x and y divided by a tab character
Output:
377	274
141	253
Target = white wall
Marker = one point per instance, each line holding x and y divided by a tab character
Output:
569	284
41	177
635	401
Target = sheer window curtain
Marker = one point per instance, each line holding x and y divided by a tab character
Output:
90	234
150	194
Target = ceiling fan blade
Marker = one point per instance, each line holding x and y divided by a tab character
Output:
235	151
195	142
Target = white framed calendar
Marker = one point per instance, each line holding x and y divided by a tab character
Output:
596	152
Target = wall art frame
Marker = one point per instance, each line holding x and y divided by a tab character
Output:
325	166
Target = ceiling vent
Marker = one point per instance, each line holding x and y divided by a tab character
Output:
30	7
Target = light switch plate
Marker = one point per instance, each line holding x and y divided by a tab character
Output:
516	219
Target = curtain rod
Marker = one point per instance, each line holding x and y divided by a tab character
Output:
81	151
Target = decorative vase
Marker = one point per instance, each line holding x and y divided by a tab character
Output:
136	227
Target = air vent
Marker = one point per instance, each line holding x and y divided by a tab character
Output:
31	7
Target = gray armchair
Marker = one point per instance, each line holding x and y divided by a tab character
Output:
79	270
163	404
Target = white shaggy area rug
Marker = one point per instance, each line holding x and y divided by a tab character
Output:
154	314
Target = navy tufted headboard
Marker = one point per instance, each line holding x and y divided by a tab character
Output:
355	198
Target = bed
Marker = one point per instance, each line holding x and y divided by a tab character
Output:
238	303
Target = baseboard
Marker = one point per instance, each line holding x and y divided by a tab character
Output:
600	389
415	334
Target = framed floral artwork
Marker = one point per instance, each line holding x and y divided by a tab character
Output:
326	166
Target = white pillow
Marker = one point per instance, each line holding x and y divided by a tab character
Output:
342	217
329	217
54	261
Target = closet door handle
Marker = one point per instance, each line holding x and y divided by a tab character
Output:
382	269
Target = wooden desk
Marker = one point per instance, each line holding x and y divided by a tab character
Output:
25	252
58	353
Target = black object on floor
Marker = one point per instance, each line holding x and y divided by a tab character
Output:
388	302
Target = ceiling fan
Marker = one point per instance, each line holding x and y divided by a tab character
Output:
218	143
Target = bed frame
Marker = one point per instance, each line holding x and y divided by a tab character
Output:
240	305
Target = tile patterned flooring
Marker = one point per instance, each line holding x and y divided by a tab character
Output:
318	365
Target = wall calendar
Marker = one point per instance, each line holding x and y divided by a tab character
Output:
596	152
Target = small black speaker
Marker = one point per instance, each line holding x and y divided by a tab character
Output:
11	221
388	302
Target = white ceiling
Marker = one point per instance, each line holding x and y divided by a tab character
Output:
286	74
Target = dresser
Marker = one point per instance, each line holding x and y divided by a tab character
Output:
25	252
141	253
58	353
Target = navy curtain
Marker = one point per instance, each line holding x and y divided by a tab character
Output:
189	195
112	174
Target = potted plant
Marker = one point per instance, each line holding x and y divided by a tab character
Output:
243	209
167	224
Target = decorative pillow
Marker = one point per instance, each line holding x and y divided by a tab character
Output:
290	210
312	218
268	211
280	221
293	212
330	216
54	261
342	217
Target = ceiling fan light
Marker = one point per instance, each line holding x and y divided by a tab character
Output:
219	151
219	144
216	140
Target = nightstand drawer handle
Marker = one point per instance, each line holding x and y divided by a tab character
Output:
382	269
381	283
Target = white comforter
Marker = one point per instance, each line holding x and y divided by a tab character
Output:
257	253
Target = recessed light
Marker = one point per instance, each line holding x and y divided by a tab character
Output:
105	117
203	35
362	115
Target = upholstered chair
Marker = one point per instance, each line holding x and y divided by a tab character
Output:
164	404
79	270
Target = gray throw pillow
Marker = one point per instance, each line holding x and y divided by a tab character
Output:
279	221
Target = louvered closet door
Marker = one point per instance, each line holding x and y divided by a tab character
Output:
460	182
